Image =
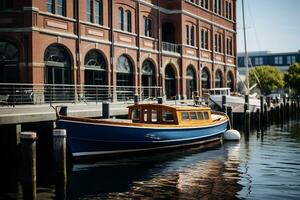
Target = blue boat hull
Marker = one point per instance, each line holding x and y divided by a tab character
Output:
92	139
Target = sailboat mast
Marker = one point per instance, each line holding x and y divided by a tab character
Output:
246	53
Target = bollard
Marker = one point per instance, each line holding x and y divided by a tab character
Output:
59	161
28	164
63	111
224	103
160	100
230	115
136	99
105	110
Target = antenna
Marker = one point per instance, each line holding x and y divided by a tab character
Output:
246	53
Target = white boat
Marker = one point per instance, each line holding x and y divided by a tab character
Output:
236	102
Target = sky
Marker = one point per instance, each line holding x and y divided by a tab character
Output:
271	25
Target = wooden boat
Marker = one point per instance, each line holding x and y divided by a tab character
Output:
148	127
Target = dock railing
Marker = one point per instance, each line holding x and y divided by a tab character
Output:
22	93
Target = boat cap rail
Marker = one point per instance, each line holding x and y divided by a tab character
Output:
171	106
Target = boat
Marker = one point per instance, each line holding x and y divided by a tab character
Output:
236	102
149	127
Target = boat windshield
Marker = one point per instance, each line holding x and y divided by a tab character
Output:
219	91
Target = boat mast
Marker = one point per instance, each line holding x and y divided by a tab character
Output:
246	53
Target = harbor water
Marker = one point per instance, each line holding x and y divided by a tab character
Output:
262	165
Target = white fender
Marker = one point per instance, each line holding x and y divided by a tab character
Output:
232	135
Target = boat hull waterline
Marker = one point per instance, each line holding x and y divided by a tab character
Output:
95	139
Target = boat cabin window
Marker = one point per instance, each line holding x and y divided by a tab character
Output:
145	115
184	116
200	115
193	115
135	115
206	115
153	115
167	116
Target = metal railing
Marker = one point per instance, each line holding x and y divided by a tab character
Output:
19	94
170	47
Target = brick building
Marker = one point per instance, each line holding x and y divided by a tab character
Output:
181	46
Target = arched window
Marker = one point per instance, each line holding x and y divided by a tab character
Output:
230	82
124	78
95	69
148	78
9	63
57	72
127	21
205	79
190	82
124	71
218	79
170	82
120	18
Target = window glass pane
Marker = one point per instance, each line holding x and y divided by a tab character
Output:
61	7
89	10
50	6
145	26
98	11
200	115
193	115
184	116
127	21
154	115
145	115
167	116
136	115
206	115
120	19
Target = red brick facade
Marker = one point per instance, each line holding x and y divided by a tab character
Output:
32	29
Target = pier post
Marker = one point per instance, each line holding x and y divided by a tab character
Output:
230	115
63	111
268	99
59	158
288	109
160	100
224	103
262	107
136	99
266	116
258	120
247	121
105	109
281	113
272	117
28	164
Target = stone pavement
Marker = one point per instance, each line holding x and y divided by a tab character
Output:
36	113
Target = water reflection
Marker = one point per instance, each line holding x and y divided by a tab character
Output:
189	174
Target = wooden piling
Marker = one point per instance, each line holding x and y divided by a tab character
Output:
262	108
281	113
266	116
224	104
28	164
258	120
60	166
230	115
105	110
247	121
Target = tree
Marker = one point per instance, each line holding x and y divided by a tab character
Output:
292	78
269	78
